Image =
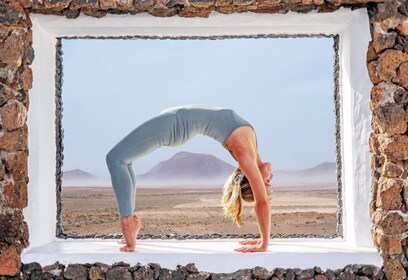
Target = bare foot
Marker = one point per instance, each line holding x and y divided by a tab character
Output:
130	228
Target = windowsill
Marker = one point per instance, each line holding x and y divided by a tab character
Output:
208	255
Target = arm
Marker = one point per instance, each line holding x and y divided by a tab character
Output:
249	167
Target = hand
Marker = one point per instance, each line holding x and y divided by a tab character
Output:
250	241
251	248
252	245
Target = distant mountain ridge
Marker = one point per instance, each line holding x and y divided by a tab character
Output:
195	169
324	172
188	168
78	177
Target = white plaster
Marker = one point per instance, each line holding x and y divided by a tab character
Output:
356	129
208	255
41	211
353	28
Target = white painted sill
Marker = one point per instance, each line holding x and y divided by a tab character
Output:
215	255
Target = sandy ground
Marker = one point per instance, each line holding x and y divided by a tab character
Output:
93	210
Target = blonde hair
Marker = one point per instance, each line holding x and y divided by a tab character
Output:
236	190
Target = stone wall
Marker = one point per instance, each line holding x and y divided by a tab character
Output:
387	64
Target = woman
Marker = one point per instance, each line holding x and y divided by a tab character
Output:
175	126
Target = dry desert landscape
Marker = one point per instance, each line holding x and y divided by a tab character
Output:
197	211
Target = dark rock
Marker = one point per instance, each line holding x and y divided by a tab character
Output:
306	274
352	268
118	273
401	96
28	268
290	274
71	14
244	274
377	273
96	273
55	269
155	265
386	10
392	118
12	230
57	5
28	54
76	271
144	272
279	272
13	14
46	276
384	41
191	268
403	8
165	274
330	274
135	267
346	276
318	270
199	276
120	264
261	273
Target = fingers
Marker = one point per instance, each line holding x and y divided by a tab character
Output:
249	242
250	248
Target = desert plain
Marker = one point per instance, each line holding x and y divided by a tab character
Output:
197	211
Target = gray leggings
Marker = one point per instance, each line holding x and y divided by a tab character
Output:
152	134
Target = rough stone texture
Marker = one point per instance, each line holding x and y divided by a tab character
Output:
14	230
14	140
394	147
402	75
372	72
384	92
388	63
76	271
388	196
389	244
390	222
11	262
13	115
13	14
394	270
382	41
35	271
391	118
403	29
96	273
118	273
392	170
12	49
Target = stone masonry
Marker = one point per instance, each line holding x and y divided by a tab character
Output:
387	65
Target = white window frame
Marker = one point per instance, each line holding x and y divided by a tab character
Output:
355	85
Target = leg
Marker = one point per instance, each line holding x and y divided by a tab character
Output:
142	140
132	176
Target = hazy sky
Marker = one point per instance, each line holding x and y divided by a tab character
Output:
283	87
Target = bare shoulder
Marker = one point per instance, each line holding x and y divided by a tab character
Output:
242	140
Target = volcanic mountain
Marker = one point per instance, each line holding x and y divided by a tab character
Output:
188	169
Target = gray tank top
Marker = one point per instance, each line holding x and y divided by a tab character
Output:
215	122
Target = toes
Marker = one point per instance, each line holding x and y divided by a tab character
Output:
126	249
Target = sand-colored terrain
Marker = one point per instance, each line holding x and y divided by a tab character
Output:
93	210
